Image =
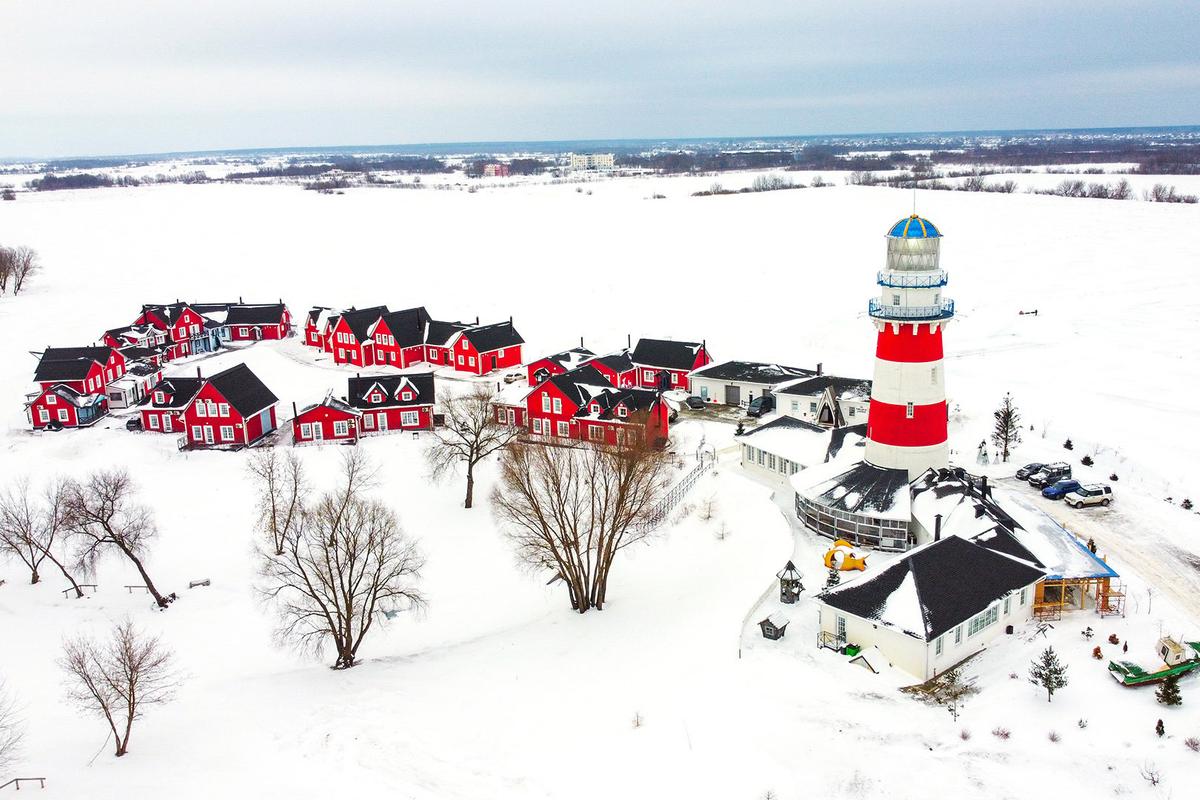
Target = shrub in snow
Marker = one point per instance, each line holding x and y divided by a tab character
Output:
1113	477
1053	736
1088	632
833	578
1112	639
964	734
1096	654
1192	743
1160	729
1012	676
1086	461
1001	733
1186	505
1069	445
1048	673
637	720
1168	692
1082	723
1151	773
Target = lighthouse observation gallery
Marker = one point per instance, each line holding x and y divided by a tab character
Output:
864	494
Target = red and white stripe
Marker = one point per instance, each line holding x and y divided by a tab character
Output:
906	425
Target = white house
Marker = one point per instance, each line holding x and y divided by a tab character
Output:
825	400
785	445
933	607
736	383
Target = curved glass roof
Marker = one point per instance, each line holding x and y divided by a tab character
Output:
914	227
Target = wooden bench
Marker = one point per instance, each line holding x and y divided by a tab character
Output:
67	591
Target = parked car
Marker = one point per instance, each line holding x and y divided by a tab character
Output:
761	405
1059	490
1029	470
1050	473
1090	494
694	402
133	424
513	377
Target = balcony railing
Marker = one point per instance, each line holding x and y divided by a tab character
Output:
901	281
943	310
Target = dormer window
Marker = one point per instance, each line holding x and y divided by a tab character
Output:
406	396
595	408
621	411
159	399
375	398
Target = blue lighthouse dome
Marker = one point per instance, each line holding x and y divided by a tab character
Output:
914	227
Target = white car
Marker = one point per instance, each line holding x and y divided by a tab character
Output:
1090	494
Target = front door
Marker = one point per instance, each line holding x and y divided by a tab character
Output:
166	418
208	434
382	420
318	431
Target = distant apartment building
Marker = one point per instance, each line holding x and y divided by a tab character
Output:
495	170
592	162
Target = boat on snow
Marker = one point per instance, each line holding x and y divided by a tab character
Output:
1178	658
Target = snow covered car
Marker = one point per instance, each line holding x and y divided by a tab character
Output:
695	403
1059	490
1089	494
1050	473
1029	470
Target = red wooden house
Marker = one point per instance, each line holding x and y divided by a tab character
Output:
439	339
133	336
251	323
87	370
666	364
61	406
398	337
233	408
485	348
163	407
581	404
391	403
557	364
350	336
183	325
331	420
314	326
618	368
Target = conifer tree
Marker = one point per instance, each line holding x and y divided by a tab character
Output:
1048	673
1006	434
1168	692
833	579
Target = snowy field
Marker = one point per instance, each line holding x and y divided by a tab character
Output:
497	690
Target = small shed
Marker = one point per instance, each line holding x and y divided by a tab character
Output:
871	658
790	586
774	626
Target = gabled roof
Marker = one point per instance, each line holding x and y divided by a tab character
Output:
98	353
335	403
315	313
74	369
752	372
391	386
439	332
815	385
269	314
569	359
242	388
486	338
360	320
179	390
933	588
73	397
608	399
666	354
581	383
407	325
794	439
618	362
856	487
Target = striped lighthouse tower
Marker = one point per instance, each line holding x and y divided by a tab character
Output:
906	425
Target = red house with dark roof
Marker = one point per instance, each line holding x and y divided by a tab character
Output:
481	349
557	364
331	420
61	406
391	403
583	405
617	368
162	409
350	336
666	364
251	323
232	409
87	370
399	337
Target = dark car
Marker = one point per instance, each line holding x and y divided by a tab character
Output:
1049	474
1029	470
761	405
133	424
1057	491
695	403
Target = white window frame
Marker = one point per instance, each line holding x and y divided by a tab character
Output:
410	419
546	402
369	422
648	375
158	398
226	433
305	430
596	433
197	433
223	409
341	427
153	422
938	644
200	409
557	403
537	425
44	414
51	400
564	428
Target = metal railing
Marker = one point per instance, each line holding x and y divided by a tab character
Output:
676	494
16	783
901	281
943	310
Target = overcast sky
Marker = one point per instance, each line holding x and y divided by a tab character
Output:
131	76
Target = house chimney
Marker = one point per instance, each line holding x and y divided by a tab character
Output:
198	375
937	527
510	320
820	369
294	412
240	300
628	341
581	343
984	492
476	319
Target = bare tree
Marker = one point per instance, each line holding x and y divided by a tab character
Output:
1006	432
118	678
6	267
471	434
10	728
25	263
571	510
101	514
29	529
346	562
282	492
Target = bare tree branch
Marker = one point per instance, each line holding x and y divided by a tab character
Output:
282	493
10	729
25	263
471	433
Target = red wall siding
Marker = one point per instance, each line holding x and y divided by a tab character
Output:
70	421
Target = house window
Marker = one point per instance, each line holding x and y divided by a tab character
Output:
621	411
500	415
471	361
197	434
749	453
783	466
933	376
545	403
537	426
908	410
937	646
226	433
200	411
852	411
895	299
812	408
958	635
460	360
500	353
153	422
167	423
305	430
595	433
409	419
369	421
594	408
983	620
1007	605
212	408
762	457
795	405
648	375
841	627
406	396
1023	591
43	415
158	398
557	405
375	398
242	331
64	415
224	409
564	429
341	428
770	461
51	400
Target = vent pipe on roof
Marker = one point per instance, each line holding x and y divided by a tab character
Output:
294	412
240	300
628	341
476	319
984	491
581	347
937	527
198	375
820	369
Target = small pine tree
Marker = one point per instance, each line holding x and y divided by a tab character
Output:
1005	433
1168	692
1186	505
833	578
1048	673
1087	461
741	428
1113	477
1069	445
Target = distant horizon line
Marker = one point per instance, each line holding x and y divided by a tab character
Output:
470	147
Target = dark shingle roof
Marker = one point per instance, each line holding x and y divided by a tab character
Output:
243	389
752	372
865	489
666	354
954	579
486	338
99	353
255	315
407	325
617	362
180	390
360	320
820	383
439	332
358	388
571	383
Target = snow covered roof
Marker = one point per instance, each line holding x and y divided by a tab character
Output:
569	359
752	372
857	487
933	588
794	439
73	397
914	227
512	394
332	402
842	388
778	620
391	386
1003	521
666	354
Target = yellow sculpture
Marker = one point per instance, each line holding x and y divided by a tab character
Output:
842	556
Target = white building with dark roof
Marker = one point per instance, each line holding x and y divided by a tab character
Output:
785	446
736	383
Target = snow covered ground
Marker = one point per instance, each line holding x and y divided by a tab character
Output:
497	690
